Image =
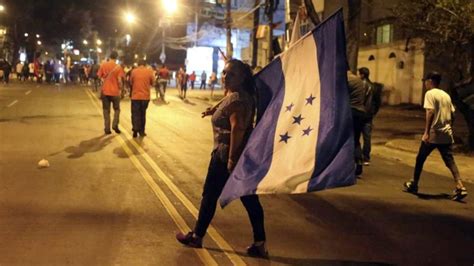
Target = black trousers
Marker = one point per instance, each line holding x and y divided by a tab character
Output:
446	151
358	120
139	115
217	176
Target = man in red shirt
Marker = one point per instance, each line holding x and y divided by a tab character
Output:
192	79
112	76
163	78
141	80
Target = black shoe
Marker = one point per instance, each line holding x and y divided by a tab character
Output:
107	132
117	130
135	134
358	171
411	187
142	134
257	251
459	194
189	240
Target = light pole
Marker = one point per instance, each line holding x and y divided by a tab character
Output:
170	7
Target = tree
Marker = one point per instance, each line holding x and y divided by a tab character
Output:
353	32
447	27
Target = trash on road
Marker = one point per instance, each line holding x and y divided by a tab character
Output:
43	163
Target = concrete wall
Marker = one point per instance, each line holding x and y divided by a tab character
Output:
402	84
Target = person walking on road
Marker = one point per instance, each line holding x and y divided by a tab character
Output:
6	68
212	83
141	80
438	135
192	79
163	79
19	69
373	100
232	121
112	76
203	80
357	98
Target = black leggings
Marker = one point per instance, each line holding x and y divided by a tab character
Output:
217	176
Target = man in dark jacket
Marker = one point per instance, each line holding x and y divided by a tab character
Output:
357	100
373	100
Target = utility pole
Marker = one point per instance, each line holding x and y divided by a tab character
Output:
256	22
228	21
196	21
269	9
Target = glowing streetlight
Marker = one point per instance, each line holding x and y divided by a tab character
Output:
130	18
99	50
39	42
37	35
26	34
99	42
170	6
85	42
2	8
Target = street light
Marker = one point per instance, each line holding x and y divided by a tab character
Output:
130	18
39	42
37	35
2	8
170	6
85	42
99	42
26	34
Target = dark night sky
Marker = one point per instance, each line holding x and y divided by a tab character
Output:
56	20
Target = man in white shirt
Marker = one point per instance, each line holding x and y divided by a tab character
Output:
438	134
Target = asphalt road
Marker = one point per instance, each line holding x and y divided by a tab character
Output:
114	200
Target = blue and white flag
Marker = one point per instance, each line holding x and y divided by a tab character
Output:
303	140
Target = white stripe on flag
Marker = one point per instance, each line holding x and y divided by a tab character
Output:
293	162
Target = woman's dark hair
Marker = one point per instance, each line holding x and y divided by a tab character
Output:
246	73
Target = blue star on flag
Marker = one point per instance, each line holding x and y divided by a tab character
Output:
310	99
285	137
297	119
289	107
307	131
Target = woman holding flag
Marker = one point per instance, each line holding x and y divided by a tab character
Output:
232	122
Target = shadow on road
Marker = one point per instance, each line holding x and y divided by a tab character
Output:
440	196
186	101
299	261
87	146
120	152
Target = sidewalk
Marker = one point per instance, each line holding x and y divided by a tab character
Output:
397	136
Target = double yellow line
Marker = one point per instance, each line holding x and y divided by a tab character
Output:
203	254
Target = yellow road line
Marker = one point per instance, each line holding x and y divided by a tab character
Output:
203	254
212	232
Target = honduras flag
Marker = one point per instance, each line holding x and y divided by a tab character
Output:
303	140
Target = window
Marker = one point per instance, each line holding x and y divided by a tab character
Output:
384	34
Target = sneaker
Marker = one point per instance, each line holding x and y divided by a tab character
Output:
189	240
410	187
459	194
257	251
366	163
